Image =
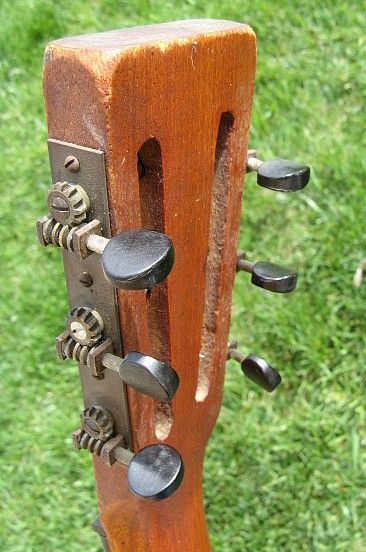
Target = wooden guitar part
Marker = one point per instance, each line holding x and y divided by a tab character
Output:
169	105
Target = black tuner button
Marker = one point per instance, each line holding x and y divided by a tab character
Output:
138	259
270	276
281	175
155	472
150	376
259	371
255	368
279	279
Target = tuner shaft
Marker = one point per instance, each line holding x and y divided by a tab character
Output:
123	456
144	373
96	243
244	265
253	164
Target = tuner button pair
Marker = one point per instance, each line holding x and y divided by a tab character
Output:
281	175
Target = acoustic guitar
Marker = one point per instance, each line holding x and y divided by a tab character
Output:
147	142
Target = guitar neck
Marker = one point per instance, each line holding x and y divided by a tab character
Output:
168	105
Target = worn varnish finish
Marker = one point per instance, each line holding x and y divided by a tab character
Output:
161	91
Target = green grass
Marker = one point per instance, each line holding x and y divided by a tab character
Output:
283	472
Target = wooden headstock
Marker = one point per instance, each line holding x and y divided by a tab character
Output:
166	108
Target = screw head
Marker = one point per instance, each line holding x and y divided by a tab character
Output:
68	203
60	206
86	279
72	164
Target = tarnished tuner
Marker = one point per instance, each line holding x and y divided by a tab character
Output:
133	259
85	325
98	422
83	341
154	472
68	203
255	368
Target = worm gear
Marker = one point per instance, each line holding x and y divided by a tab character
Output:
85	326
68	203
97	422
67	347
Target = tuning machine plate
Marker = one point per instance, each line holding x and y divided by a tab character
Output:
99	295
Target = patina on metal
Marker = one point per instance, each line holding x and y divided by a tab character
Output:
100	296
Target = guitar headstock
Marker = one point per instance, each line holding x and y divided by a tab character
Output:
148	147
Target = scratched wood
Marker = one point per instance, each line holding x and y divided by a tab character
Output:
169	105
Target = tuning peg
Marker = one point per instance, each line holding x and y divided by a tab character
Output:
255	368
82	341
276	278
133	259
280	175
144	373
154	472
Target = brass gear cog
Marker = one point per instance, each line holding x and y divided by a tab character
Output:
85	326
97	422
68	203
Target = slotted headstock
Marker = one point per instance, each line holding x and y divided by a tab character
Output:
151	125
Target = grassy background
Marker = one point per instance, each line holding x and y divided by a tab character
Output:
292	477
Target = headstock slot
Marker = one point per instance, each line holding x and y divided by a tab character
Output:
214	263
151	190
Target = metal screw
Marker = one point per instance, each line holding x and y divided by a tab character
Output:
72	163
60	205
86	279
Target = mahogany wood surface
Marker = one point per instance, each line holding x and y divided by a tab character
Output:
178	97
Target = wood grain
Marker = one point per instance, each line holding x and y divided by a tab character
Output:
180	94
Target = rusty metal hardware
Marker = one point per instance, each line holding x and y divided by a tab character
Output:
78	222
255	368
85	325
97	422
67	203
280	175
266	275
82	341
154	472
133	259
72	163
88	183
